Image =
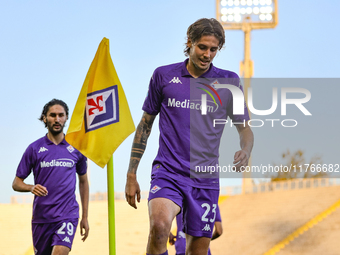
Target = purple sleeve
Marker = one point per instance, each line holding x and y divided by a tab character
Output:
82	164
153	100
218	214
26	164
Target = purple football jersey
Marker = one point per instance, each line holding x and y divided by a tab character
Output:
54	167
187	138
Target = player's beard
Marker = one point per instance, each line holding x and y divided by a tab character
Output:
196	61
197	65
55	132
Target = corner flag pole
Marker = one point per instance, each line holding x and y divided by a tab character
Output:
99	135
111	207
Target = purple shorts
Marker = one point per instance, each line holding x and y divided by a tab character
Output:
180	244
47	235
198	204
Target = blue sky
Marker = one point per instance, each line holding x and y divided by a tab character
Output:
46	48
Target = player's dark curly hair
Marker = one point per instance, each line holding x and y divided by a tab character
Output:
50	104
205	27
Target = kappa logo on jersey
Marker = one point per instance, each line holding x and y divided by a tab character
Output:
102	108
63	162
155	189
42	149
181	234
67	239
70	148
175	80
206	228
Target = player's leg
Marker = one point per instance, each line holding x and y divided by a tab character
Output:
60	250
162	211
64	232
199	213
165	201
197	245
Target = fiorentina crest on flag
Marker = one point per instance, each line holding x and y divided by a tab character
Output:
102	108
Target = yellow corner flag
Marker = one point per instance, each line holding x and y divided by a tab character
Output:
101	119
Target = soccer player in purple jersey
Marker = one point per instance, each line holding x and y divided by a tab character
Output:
180	241
187	139
54	164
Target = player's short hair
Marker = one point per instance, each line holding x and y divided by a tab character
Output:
205	27
50	104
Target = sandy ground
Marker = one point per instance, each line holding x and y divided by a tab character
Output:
252	225
322	239
15	228
132	228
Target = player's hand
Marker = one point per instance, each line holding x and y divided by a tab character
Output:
84	229
131	190
39	190
172	239
241	159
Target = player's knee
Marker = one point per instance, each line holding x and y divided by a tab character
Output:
159	228
60	250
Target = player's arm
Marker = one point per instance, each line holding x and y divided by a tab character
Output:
20	186
246	141
138	147
84	197
218	230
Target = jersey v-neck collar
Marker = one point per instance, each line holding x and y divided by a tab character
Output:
49	142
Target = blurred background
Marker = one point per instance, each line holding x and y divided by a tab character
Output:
46	48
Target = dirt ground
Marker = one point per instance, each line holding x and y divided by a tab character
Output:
252	224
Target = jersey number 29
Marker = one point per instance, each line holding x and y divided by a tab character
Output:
69	227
